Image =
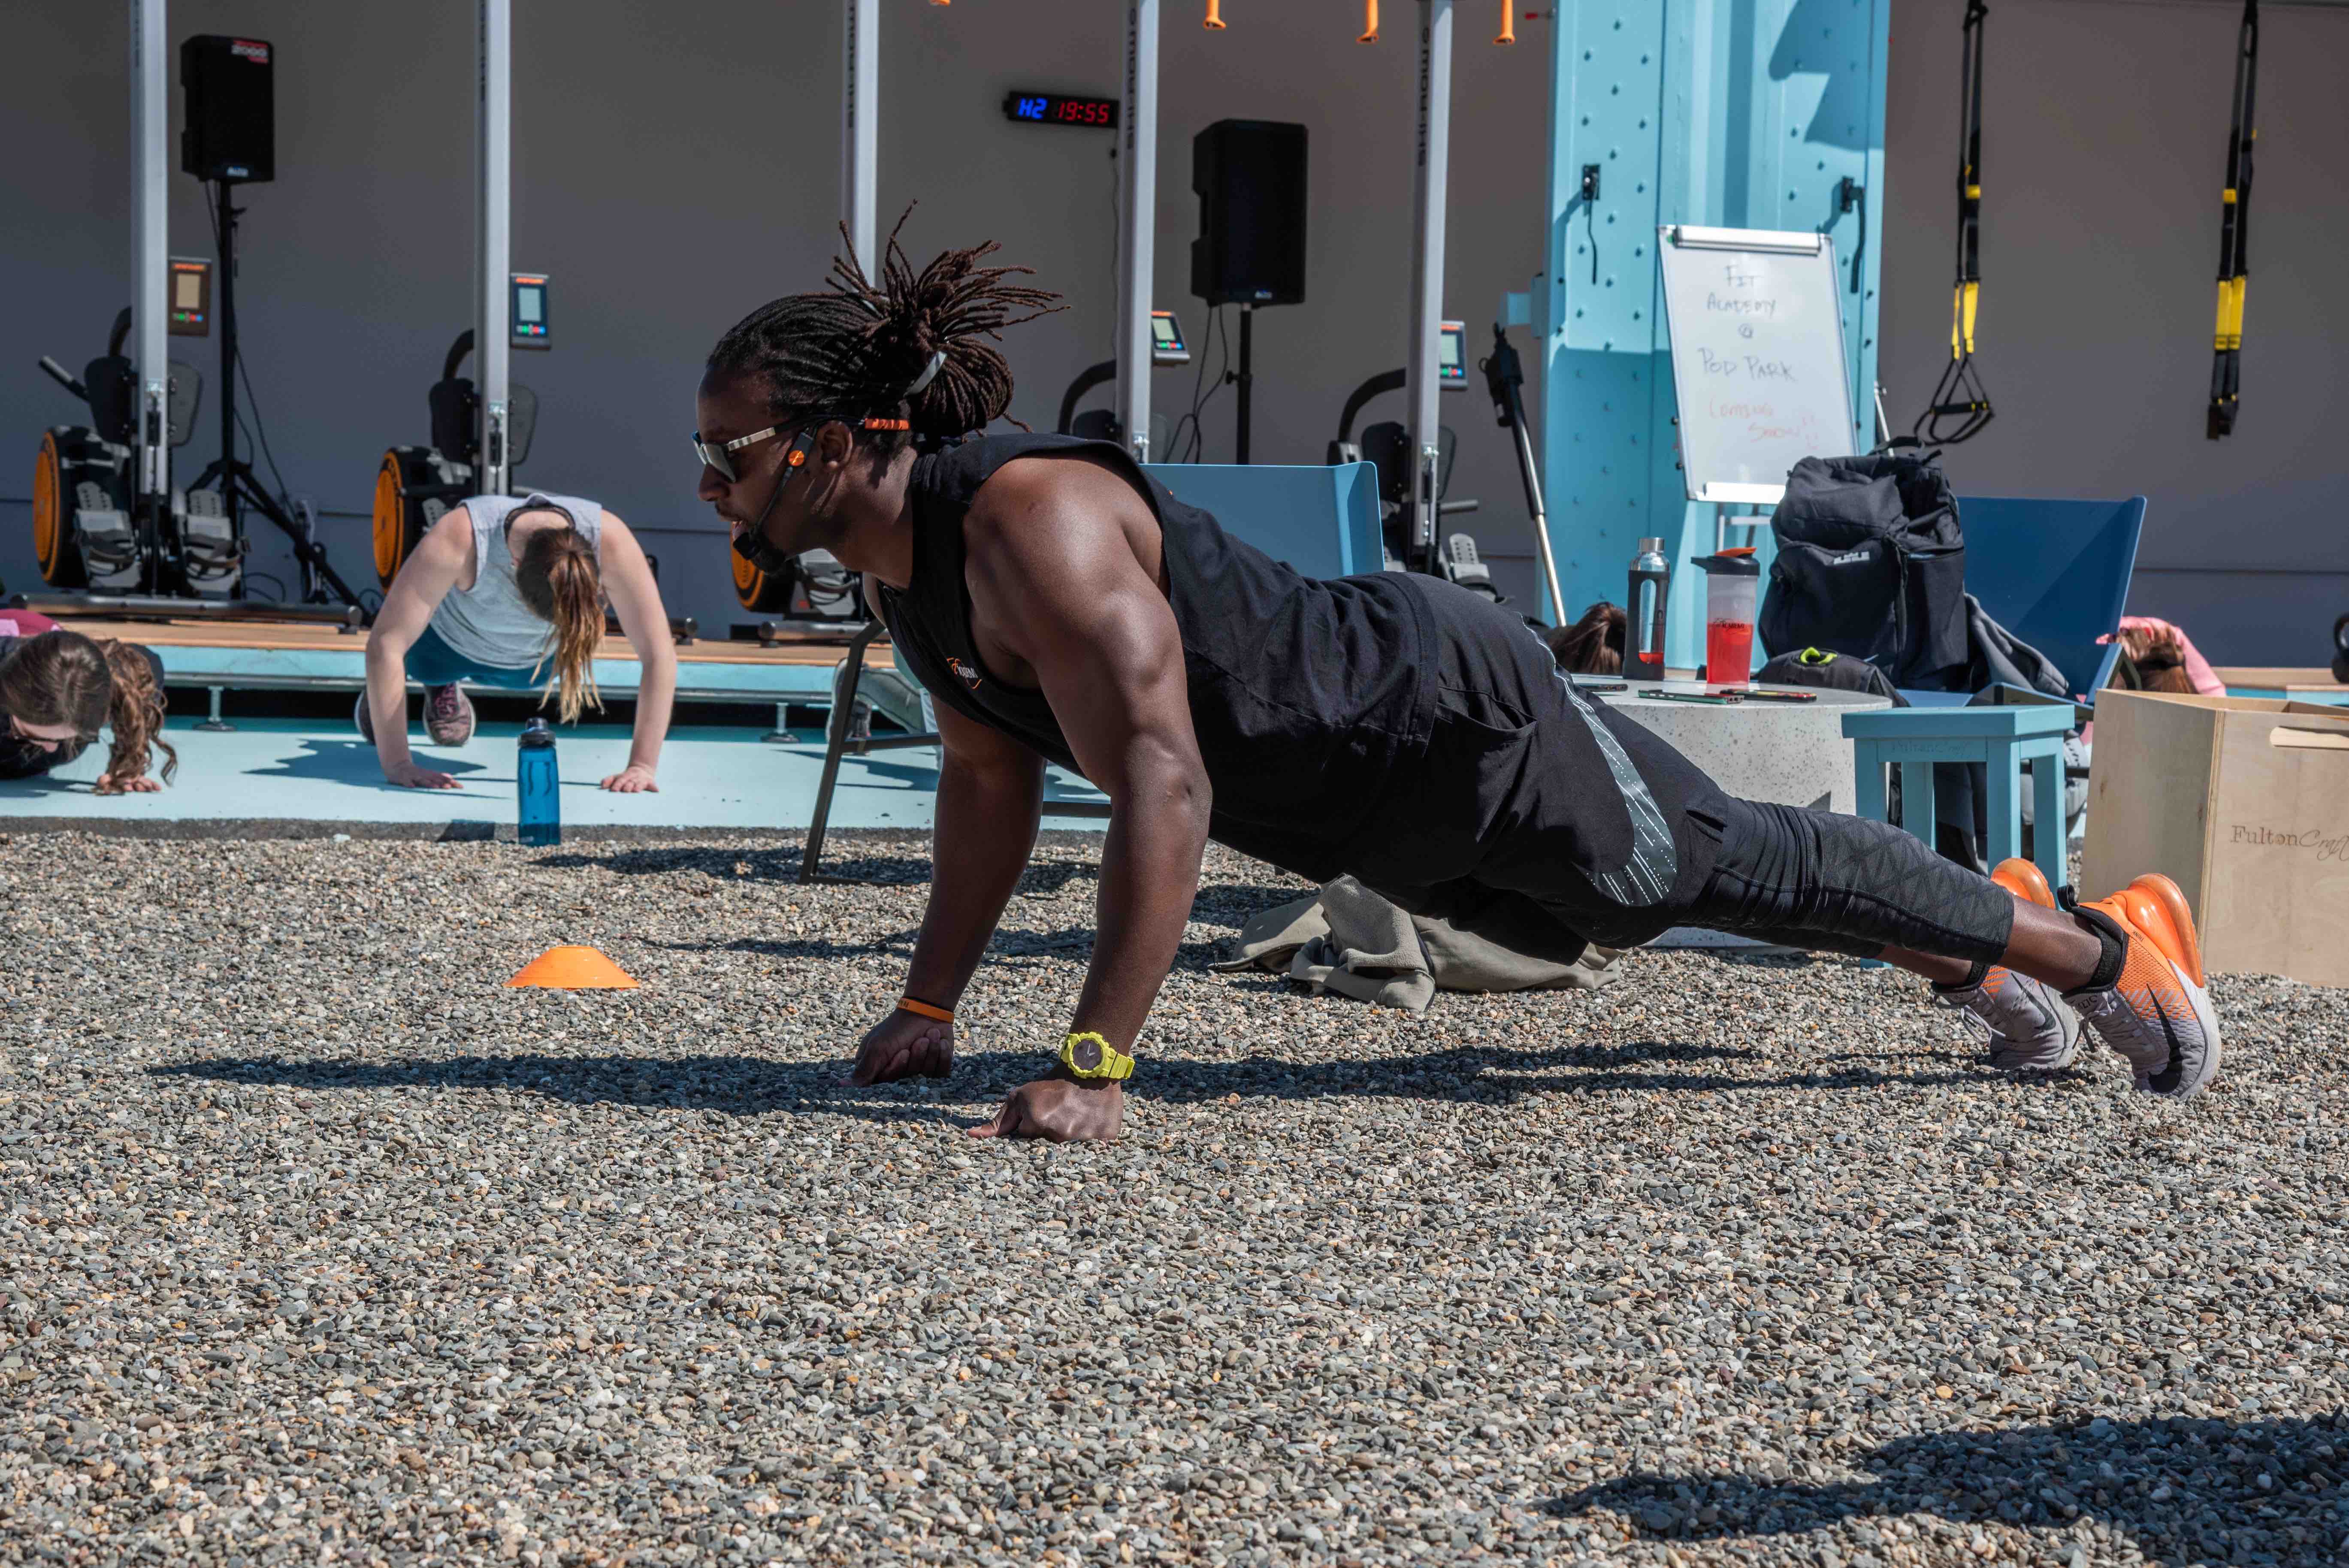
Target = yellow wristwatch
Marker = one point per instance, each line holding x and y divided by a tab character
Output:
1091	1058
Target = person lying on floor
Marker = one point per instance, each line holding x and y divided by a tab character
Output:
499	591
57	688
1061	605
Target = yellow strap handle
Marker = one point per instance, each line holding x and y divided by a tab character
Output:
1962	307
2229	331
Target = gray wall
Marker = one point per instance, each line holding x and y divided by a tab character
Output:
674	166
2103	154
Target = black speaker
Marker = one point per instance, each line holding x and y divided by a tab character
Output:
232	129
1251	179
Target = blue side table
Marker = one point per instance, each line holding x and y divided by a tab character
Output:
2002	738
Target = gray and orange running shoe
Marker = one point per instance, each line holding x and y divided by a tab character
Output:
2028	1027
448	715
2158	1013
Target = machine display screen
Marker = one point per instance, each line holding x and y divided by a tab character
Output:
1167	345
192	298
1058	108
529	316
1451	355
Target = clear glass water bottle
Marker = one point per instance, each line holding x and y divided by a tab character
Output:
536	785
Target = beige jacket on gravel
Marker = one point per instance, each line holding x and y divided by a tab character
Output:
1348	940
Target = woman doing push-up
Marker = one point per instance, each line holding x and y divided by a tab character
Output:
1062	607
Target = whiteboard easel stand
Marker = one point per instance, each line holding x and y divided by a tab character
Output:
1723	494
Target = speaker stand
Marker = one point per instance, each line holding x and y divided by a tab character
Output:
1245	378
241	489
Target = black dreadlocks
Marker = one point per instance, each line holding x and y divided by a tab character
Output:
855	348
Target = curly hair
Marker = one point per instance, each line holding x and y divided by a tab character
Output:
860	346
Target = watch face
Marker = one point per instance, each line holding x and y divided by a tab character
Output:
1086	1054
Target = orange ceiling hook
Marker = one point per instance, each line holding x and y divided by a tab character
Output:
1214	22
1370	22
1508	23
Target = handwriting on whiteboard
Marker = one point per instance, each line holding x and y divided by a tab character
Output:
1757	362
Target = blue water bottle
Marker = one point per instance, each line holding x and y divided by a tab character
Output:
542	805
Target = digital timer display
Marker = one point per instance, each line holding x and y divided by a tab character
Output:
1058	108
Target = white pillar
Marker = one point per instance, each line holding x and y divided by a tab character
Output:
1421	385
1137	221
860	100
492	335
151	236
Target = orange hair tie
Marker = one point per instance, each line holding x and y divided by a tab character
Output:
925	1010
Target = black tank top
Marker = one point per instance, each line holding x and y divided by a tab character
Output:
1305	693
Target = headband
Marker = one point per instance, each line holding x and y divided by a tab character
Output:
929	373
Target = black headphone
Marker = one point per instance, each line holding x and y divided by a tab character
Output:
2341	650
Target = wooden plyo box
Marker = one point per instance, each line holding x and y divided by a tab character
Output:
2244	803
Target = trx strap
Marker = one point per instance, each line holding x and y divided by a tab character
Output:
1960	407
2234	232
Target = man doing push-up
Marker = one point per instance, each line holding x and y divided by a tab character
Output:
1062	607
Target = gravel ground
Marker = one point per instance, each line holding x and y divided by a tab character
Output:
317	1245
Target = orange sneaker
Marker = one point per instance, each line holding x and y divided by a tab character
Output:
2028	1026
2025	881
2157	1014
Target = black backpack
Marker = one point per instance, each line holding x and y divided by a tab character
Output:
1871	563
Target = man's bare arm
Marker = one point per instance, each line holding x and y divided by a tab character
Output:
991	790
1054	572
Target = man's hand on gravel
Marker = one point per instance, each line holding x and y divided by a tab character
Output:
1062	1109
904	1044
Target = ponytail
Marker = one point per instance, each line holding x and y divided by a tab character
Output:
894	343
561	582
62	677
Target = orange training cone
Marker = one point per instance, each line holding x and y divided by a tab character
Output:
573	969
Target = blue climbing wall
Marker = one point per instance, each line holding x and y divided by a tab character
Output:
1744	114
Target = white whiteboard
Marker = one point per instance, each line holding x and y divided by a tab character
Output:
1758	361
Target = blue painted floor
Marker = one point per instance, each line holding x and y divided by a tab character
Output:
315	771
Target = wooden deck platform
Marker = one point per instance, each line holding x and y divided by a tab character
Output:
292	656
295	638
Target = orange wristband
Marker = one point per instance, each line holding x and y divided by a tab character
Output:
924	1009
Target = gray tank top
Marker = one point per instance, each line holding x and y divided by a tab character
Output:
488	622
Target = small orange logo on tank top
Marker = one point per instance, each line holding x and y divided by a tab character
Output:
969	676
